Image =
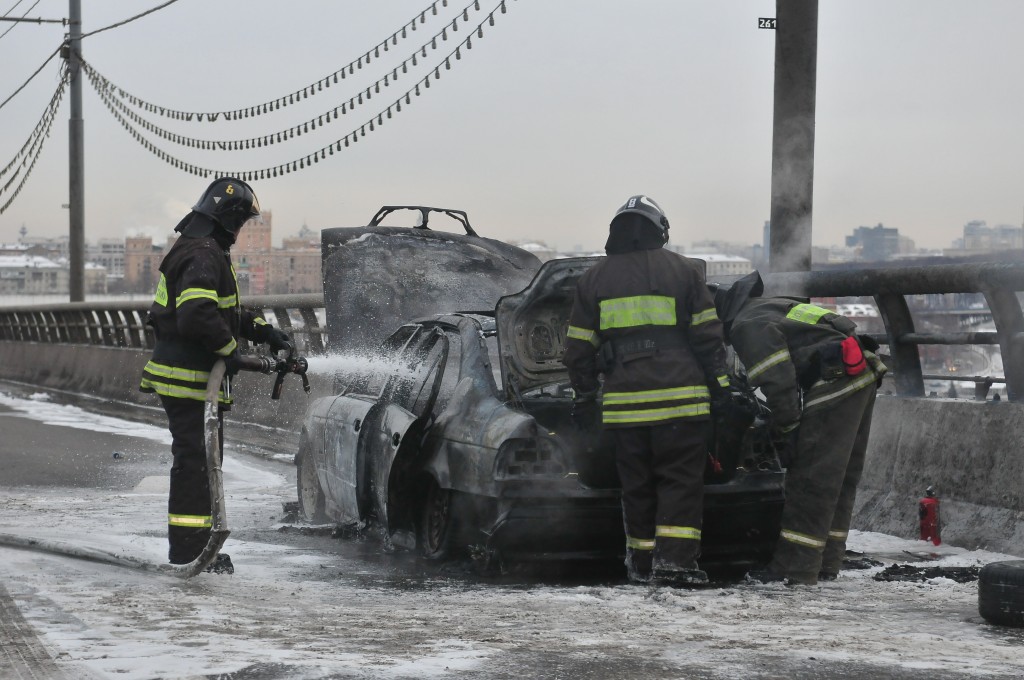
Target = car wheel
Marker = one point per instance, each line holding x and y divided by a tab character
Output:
434	528
1001	593
311	495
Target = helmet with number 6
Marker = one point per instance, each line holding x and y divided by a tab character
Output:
645	207
640	224
229	202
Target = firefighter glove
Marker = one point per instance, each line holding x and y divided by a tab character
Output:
720	400
585	411
278	340
232	363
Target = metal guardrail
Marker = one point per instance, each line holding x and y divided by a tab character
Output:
123	324
889	287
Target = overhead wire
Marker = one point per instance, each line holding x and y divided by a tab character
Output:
13	7
303	93
129	20
23	85
320	154
22	16
99	81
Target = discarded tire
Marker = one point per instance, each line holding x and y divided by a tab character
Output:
1001	593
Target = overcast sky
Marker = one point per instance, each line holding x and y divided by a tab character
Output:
561	111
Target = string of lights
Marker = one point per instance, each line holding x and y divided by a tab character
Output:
317	87
36	148
50	110
325	118
352	137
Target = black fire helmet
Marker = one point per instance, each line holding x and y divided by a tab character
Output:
730	300
228	203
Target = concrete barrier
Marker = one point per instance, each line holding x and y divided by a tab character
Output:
969	451
113	373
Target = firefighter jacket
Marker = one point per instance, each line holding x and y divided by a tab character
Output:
197	319
647	321
791	351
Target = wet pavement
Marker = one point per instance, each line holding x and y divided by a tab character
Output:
306	604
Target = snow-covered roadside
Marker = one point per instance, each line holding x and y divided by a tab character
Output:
317	608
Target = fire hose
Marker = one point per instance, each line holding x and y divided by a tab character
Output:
214	456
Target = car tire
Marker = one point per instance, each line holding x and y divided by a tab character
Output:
435	525
1001	593
311	494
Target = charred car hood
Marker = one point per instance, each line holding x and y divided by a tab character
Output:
532	325
377	278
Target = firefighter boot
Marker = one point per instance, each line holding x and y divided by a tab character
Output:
679	576
675	563
776	573
680	573
638	565
832	559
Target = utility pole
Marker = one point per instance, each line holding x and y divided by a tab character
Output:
796	63
76	155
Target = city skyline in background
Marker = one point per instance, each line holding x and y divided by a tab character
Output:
543	128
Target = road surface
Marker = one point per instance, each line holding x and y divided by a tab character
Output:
305	605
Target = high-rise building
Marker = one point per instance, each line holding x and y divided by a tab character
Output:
876	244
142	263
251	255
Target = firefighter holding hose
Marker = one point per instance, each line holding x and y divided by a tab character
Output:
197	319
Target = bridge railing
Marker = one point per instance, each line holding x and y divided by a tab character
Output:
123	324
998	283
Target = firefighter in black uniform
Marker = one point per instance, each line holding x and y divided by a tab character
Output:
819	379
645	318
197	320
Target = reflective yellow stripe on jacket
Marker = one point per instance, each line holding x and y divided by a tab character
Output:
638	310
584	334
181	383
645	416
704	317
766	363
805	313
675	402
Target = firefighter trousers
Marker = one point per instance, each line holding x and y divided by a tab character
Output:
661	468
821	487
188	505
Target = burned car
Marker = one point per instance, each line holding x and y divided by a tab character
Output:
464	441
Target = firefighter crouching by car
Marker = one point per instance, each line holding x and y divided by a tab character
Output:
645	318
819	380
197	320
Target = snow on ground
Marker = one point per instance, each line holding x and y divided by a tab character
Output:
310	607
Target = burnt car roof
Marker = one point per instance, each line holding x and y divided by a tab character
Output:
379	277
532	324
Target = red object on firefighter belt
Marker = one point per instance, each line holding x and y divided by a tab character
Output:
853	356
928	512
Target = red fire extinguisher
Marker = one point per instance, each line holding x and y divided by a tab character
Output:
928	513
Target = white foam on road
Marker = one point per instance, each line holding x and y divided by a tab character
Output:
322	610
39	407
